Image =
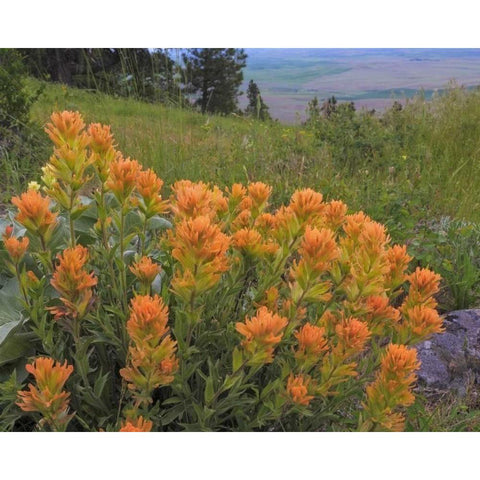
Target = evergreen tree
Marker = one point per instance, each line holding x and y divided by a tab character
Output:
256	106
313	112
215	75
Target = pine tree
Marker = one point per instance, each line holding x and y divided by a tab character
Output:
215	75
256	106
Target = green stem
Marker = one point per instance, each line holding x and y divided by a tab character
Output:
123	271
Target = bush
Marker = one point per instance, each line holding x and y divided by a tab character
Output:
205	311
20	146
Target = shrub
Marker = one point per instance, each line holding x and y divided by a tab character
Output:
204	311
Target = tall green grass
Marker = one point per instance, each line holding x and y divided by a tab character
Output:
423	162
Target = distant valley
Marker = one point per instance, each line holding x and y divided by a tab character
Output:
372	78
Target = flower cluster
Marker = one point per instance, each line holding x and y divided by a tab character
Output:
306	296
152	360
73	283
262	332
391	388
200	248
35	214
48	396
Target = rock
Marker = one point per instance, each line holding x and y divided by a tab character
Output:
451	360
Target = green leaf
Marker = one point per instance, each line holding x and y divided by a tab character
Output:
15	347
158	223
10	308
172	414
237	359
209	393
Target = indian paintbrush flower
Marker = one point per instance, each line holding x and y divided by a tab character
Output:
73	283
35	215
262	333
47	397
152	360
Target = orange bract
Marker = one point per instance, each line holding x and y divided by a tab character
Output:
148	319
200	248
352	335
66	129
152	359
259	193
145	270
34	213
307	204
191	200
137	425
423	285
251	242
311	341
148	187
398	261
392	387
123	177
73	283
103	148
262	333
297	389
15	248
47	397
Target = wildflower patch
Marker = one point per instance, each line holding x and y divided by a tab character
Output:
208	310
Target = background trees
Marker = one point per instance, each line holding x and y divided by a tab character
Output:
256	106
214	75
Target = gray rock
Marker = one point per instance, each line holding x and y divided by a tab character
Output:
451	360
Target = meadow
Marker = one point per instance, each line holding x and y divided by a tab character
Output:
416	170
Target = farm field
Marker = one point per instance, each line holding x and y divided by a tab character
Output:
372	78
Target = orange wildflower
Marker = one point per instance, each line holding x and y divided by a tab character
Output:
66	128
145	270
265	222
73	283
392	387
259	193
15	248
48	396
242	220
334	214
398	261
380	314
148	187
307	204
420	321
311	343
354	224
148	319
34	213
373	238
352	334
152	359
297	389
236	195
200	248
102	147
423	285
318	250
250	242
191	200
137	425
123	177
262	333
